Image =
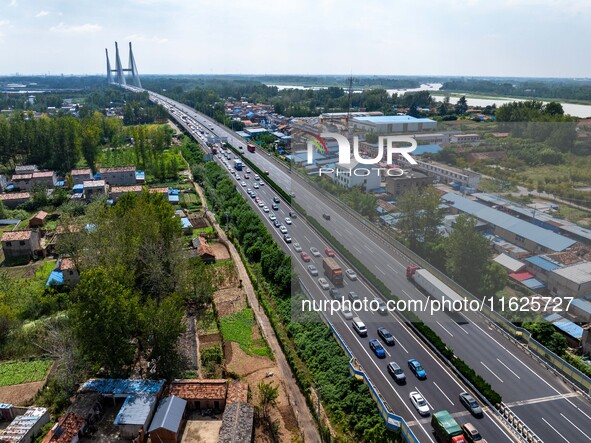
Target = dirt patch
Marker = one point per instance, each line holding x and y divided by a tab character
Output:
228	301
20	395
208	340
253	369
220	251
225	275
201	429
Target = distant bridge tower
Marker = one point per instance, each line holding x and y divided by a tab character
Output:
119	77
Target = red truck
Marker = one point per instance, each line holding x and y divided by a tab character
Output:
333	271
250	147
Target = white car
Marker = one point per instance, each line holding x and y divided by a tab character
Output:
261	204
256	186
297	247
256	177
272	217
350	273
323	284
347	314
419	403
261	183
283	229
243	184
287	221
315	252
248	190
265	209
237	176
312	270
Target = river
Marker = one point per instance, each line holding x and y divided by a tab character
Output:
573	109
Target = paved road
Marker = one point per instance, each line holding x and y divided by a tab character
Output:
532	392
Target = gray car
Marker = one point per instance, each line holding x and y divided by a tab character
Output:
471	404
312	270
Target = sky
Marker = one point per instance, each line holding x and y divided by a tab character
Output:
522	38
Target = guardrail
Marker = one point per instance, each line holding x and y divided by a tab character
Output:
514	421
543	354
393	421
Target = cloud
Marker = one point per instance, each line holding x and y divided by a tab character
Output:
13	3
42	14
135	38
86	28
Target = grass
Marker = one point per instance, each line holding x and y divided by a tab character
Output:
237	327
15	373
206	323
207	230
574	215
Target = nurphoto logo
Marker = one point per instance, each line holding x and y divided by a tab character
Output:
388	142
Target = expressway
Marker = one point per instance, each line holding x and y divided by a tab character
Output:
547	405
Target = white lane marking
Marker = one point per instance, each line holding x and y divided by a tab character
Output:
576	427
532	401
376	266
463	329
440	390
393	270
357	249
562	436
443	327
307	239
509	369
489	370
533	372
400	344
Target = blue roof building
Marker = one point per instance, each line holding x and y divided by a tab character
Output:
529	236
571	330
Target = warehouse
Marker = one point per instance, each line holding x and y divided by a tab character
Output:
519	232
387	124
571	281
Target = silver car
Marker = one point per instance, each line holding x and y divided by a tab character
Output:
312	270
323	283
296	246
315	252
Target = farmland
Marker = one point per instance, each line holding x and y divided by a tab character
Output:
14	373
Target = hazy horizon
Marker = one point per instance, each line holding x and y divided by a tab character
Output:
506	38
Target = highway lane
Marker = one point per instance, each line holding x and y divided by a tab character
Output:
507	368
441	390
501	362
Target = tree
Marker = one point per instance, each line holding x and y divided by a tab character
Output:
467	254
104	318
461	106
554	108
420	217
267	397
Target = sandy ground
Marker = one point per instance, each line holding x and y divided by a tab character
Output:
253	369
220	251
20	395
201	429
228	301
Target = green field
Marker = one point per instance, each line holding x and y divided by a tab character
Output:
17	372
238	328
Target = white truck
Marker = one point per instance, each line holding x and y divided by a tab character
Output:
435	288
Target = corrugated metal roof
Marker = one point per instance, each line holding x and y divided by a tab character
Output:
385	119
511	264
533	283
541	236
566	326
583	304
136	409
521	276
120	386
542	263
580	273
169	414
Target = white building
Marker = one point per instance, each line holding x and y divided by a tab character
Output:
354	174
571	281
393	123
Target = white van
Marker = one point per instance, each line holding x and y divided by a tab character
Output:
359	327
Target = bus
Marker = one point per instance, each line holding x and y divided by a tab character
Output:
250	147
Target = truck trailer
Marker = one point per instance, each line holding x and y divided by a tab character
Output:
446	429
333	271
250	147
435	288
